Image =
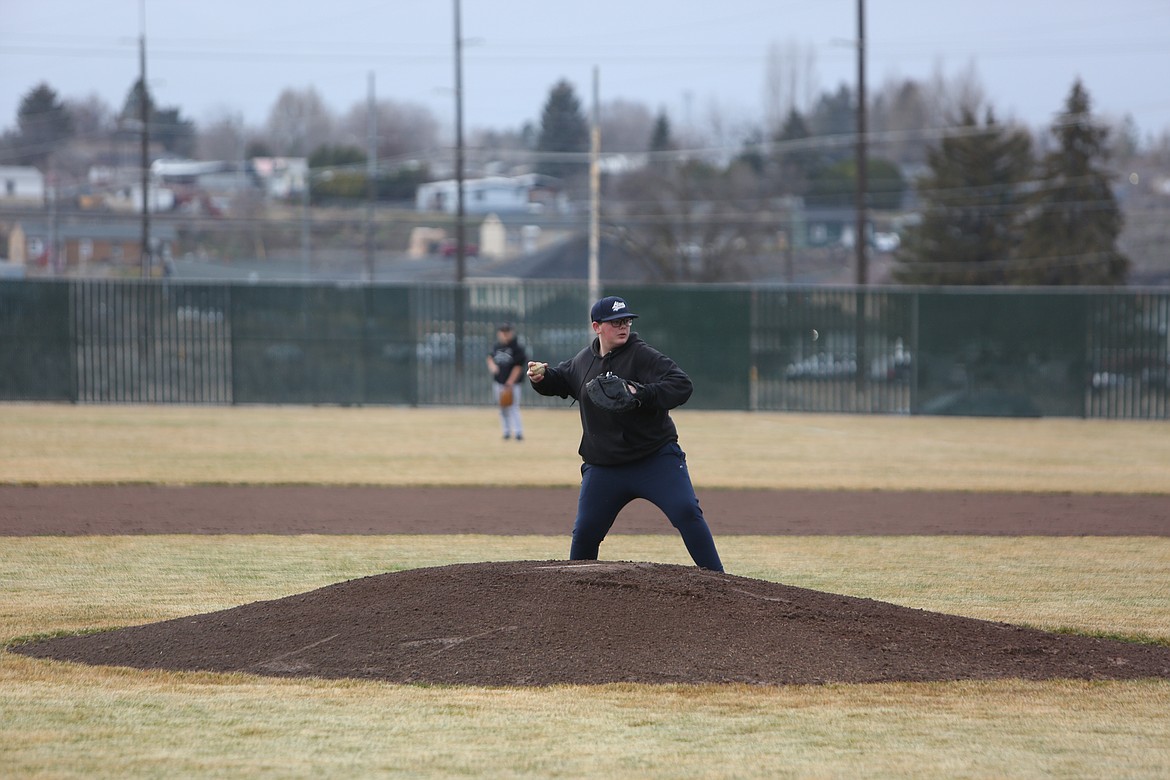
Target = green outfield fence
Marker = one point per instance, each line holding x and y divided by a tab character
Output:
880	350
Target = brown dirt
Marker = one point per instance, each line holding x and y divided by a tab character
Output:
144	509
548	622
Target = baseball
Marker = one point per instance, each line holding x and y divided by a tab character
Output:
815	335
536	369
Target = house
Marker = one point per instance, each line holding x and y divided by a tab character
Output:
120	189
281	177
82	244
21	185
530	193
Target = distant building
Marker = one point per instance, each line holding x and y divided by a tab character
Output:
21	185
527	194
281	177
120	189
80	245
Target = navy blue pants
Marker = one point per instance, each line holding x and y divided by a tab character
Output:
663	480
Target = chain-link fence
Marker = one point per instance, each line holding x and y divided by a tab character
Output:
962	351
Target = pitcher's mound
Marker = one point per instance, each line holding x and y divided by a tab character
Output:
549	622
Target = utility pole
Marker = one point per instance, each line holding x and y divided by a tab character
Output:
306	226
460	254
460	244
860	244
371	175
55	263
595	195
144	116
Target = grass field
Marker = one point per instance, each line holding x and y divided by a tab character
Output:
65	720
44	444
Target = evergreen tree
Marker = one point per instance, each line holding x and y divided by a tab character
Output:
562	129
795	159
167	126
132	106
176	134
835	186
1071	234
660	139
752	155
44	125
835	114
972	207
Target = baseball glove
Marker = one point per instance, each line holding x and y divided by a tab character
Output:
612	393
505	397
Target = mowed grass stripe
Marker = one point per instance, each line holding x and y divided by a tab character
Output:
63	720
52	444
1090	584
72	720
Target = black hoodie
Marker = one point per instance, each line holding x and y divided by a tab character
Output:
609	439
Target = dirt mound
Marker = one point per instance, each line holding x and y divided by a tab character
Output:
548	622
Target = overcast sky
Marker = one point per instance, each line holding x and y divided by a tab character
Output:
213	57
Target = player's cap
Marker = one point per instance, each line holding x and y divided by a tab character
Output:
610	308
505	326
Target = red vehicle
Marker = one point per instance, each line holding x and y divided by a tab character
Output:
448	247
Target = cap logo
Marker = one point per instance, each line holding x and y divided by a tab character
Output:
618	305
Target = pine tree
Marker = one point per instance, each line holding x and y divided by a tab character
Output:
562	129
795	160
972	206
660	139
132	105
168	127
44	124
1074	222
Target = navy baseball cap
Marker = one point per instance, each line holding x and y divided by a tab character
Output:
610	308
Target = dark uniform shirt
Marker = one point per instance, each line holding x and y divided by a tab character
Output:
506	357
609	439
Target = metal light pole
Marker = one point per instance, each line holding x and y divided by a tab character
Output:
460	253
860	244
371	175
144	115
595	196
460	244
306	227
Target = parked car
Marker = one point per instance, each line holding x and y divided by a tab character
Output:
448	247
822	366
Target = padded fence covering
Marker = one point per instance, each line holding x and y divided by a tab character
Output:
706	332
813	353
36	352
320	344
1128	373
950	351
1020	355
144	342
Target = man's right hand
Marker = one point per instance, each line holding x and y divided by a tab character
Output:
536	370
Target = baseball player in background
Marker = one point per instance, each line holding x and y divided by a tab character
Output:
627	454
506	363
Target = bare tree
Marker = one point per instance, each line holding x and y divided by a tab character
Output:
625	126
403	128
790	82
299	122
223	137
92	116
690	221
898	116
949	100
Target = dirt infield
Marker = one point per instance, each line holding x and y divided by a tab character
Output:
551	622
546	622
139	509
